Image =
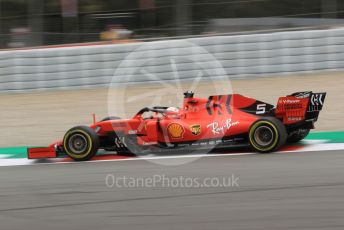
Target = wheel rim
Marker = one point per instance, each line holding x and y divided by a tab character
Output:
264	136
77	143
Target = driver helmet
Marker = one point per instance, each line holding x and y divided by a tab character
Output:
173	109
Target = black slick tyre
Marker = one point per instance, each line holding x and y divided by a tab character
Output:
267	135
81	143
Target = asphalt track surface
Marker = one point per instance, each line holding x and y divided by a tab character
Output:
300	190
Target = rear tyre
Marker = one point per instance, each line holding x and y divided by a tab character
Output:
298	135
267	135
81	143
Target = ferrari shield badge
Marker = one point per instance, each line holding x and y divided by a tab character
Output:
195	129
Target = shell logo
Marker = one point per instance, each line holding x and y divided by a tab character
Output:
175	130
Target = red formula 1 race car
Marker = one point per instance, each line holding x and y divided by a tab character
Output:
217	121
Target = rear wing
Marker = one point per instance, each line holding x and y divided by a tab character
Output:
300	106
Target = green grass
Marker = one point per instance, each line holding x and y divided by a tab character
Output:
333	137
15	152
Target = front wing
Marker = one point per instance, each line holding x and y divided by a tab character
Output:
41	152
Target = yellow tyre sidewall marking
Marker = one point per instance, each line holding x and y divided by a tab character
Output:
88	138
252	141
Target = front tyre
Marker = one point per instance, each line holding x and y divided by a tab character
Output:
81	143
267	135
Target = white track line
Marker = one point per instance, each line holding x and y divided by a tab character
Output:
15	162
315	146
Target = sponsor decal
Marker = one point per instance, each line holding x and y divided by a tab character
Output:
132	132
221	129
195	129
227	140
175	130
294	118
316	102
120	142
317	99
292	106
299	131
149	143
288	101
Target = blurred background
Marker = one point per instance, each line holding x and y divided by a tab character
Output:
52	22
59	57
